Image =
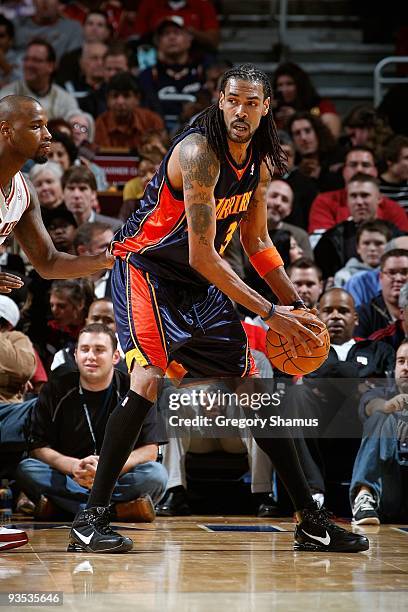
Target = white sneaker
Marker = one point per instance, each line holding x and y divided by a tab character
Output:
12	538
364	510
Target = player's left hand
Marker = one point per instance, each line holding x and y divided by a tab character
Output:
313	317
8	282
109	260
291	325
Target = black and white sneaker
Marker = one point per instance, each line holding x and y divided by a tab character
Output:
364	510
90	532
316	533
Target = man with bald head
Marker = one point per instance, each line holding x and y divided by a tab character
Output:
23	136
331	393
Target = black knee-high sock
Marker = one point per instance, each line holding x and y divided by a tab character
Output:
284	457
282	452
121	433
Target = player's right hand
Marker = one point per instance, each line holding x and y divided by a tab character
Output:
8	282
292	327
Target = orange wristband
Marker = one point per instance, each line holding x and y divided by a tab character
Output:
265	261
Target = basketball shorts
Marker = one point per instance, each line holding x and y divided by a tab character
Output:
161	321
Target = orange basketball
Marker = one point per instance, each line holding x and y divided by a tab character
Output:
281	358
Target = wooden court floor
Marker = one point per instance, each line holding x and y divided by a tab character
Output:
178	566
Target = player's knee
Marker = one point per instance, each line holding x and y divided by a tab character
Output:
145	381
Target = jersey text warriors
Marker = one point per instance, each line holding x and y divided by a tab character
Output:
155	239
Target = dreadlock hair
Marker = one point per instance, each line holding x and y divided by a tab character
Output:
265	139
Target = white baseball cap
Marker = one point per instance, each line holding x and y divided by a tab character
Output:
9	310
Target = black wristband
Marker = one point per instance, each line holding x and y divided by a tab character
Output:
270	313
299	304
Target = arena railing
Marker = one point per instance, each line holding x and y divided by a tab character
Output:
380	80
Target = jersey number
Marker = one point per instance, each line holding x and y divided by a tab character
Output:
228	236
7	228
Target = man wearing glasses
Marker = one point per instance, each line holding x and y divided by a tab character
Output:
39	64
83	131
384	308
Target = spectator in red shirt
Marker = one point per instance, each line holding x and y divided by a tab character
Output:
199	17
338	244
125	122
330	208
77	10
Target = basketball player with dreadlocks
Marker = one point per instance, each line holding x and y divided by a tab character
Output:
172	293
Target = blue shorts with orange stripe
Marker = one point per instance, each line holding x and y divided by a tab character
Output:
159	322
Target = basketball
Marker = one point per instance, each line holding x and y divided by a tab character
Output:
281	358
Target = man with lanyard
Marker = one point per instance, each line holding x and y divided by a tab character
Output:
68	425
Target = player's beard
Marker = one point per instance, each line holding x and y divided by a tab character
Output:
40	159
240	140
234	137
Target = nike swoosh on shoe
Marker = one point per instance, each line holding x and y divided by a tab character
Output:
85	539
325	541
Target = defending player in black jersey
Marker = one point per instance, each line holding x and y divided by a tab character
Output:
172	292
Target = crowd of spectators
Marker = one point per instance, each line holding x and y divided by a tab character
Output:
118	80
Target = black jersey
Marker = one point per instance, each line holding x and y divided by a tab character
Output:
155	237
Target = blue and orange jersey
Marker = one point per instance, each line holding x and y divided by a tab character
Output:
155	237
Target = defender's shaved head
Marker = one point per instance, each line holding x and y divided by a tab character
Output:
23	130
12	106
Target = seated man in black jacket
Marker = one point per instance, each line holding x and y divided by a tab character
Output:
68	426
331	393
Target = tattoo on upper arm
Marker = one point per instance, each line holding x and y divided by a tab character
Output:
198	163
201	216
